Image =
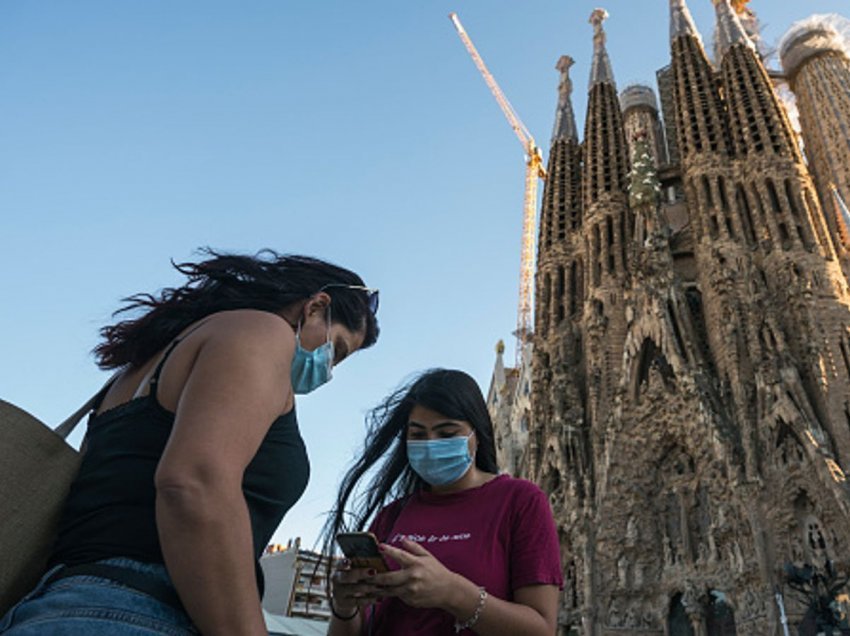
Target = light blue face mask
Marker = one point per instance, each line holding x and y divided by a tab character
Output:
312	369
439	461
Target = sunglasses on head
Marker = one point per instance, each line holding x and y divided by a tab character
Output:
371	293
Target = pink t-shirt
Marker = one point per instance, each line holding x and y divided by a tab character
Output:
500	535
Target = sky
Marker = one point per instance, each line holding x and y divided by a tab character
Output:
133	133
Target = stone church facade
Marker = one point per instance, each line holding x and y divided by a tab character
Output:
685	399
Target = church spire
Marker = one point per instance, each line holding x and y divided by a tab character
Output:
606	159
601	71
565	119
681	21
730	31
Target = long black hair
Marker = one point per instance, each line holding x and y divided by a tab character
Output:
453	394
266	281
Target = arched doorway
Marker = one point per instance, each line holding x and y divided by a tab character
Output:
677	619
720	619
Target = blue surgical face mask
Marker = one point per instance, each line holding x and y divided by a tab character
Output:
312	369
439	461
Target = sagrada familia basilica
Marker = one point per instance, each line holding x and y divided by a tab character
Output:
685	396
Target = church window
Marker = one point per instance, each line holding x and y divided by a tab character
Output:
774	197
609	235
746	214
801	235
814	539
693	296
721	189
784	237
631	224
597	265
680	342
729	227
574	289
724	205
560	293
759	204
706	189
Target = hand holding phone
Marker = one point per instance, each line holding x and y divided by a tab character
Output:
361	549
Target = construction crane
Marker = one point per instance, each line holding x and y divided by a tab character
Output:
533	170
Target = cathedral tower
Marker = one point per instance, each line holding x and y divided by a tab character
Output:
559	263
796	263
818	71
560	291
640	119
702	129
607	227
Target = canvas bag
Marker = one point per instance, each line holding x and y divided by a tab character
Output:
37	467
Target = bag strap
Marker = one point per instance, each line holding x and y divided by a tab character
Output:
66	427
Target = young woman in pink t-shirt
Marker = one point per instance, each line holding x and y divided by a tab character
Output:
470	551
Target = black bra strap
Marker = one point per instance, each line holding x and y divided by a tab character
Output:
100	396
154	382
155	378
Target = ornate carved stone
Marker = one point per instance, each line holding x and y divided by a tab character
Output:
690	410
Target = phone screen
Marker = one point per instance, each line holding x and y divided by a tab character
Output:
361	548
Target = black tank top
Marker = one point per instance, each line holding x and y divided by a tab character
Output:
110	508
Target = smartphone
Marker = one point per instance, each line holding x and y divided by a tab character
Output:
361	549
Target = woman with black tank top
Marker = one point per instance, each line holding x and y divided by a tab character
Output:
193	456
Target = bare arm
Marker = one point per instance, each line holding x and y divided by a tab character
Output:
425	582
237	385
534	610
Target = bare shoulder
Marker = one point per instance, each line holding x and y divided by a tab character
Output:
249	327
226	348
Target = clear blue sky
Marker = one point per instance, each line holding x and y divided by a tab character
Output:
134	132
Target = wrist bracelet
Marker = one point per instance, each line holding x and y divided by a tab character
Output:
340	616
482	599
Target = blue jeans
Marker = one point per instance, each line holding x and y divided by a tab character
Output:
94	606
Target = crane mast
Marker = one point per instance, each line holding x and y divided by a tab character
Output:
534	170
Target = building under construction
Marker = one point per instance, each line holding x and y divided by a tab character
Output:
686	396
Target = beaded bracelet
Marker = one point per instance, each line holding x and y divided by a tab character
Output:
482	599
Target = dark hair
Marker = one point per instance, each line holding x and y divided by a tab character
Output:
267	281
451	393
